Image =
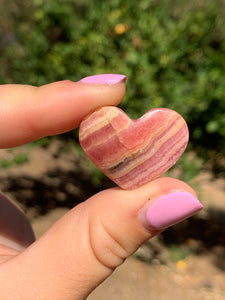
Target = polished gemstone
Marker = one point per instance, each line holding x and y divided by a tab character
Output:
133	152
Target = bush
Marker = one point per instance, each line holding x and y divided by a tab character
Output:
173	56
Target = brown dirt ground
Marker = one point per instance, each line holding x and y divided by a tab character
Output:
54	180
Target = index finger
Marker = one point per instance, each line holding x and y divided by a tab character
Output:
28	113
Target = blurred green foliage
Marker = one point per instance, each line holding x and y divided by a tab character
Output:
172	53
14	159
178	253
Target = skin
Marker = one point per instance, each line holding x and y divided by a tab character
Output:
83	247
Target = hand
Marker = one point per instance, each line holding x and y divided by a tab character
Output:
82	248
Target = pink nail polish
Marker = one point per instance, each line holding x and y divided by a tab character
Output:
109	79
172	208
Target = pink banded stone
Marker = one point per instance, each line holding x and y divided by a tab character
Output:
133	152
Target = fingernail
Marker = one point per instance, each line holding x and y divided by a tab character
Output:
109	79
171	209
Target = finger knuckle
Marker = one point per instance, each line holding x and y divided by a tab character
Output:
106	245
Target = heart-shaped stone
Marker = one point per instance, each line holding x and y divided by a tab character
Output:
133	152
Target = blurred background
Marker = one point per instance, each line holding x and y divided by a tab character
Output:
173	53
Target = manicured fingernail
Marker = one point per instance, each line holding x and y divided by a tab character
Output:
109	79
171	208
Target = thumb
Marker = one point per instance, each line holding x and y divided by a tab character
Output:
83	248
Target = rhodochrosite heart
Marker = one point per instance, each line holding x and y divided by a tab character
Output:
133	152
